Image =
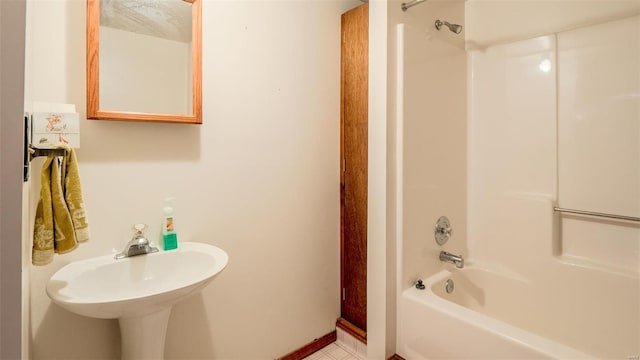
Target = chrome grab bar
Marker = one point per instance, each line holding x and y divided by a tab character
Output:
597	214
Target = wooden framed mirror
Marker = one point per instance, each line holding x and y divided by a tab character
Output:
144	60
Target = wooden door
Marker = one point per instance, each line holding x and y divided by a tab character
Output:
353	119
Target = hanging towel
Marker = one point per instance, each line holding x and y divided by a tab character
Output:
43	226
64	235
60	221
73	195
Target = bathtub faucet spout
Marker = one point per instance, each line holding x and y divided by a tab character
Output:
457	260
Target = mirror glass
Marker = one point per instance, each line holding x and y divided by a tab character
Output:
145	60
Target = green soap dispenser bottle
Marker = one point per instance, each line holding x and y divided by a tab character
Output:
169	236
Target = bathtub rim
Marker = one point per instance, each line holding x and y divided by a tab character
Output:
500	329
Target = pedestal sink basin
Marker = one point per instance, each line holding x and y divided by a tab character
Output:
139	291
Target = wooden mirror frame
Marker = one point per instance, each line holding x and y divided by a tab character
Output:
93	72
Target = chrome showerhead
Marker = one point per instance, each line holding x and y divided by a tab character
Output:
453	27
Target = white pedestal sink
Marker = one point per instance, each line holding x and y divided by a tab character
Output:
139	291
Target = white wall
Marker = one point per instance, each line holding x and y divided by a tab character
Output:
142	73
259	178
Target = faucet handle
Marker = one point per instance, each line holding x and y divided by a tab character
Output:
138	229
443	230
138	245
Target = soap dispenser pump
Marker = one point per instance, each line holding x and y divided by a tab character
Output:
169	236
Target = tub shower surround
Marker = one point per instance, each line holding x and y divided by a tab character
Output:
543	113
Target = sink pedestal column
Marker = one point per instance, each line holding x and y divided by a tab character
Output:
143	336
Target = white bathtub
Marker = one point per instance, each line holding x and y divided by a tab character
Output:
435	325
529	290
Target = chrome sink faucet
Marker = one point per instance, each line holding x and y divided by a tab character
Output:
139	245
457	260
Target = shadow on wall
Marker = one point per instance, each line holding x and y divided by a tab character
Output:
188	314
106	141
69	336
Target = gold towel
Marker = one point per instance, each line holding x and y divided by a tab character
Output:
43	226
73	195
60	217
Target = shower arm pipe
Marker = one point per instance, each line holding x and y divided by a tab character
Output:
597	214
411	3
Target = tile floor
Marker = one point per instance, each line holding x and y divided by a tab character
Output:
334	351
346	347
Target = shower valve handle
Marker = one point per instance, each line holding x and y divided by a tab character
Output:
443	230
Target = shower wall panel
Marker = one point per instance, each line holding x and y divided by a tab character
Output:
564	133
599	141
432	111
434	148
512	147
555	119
